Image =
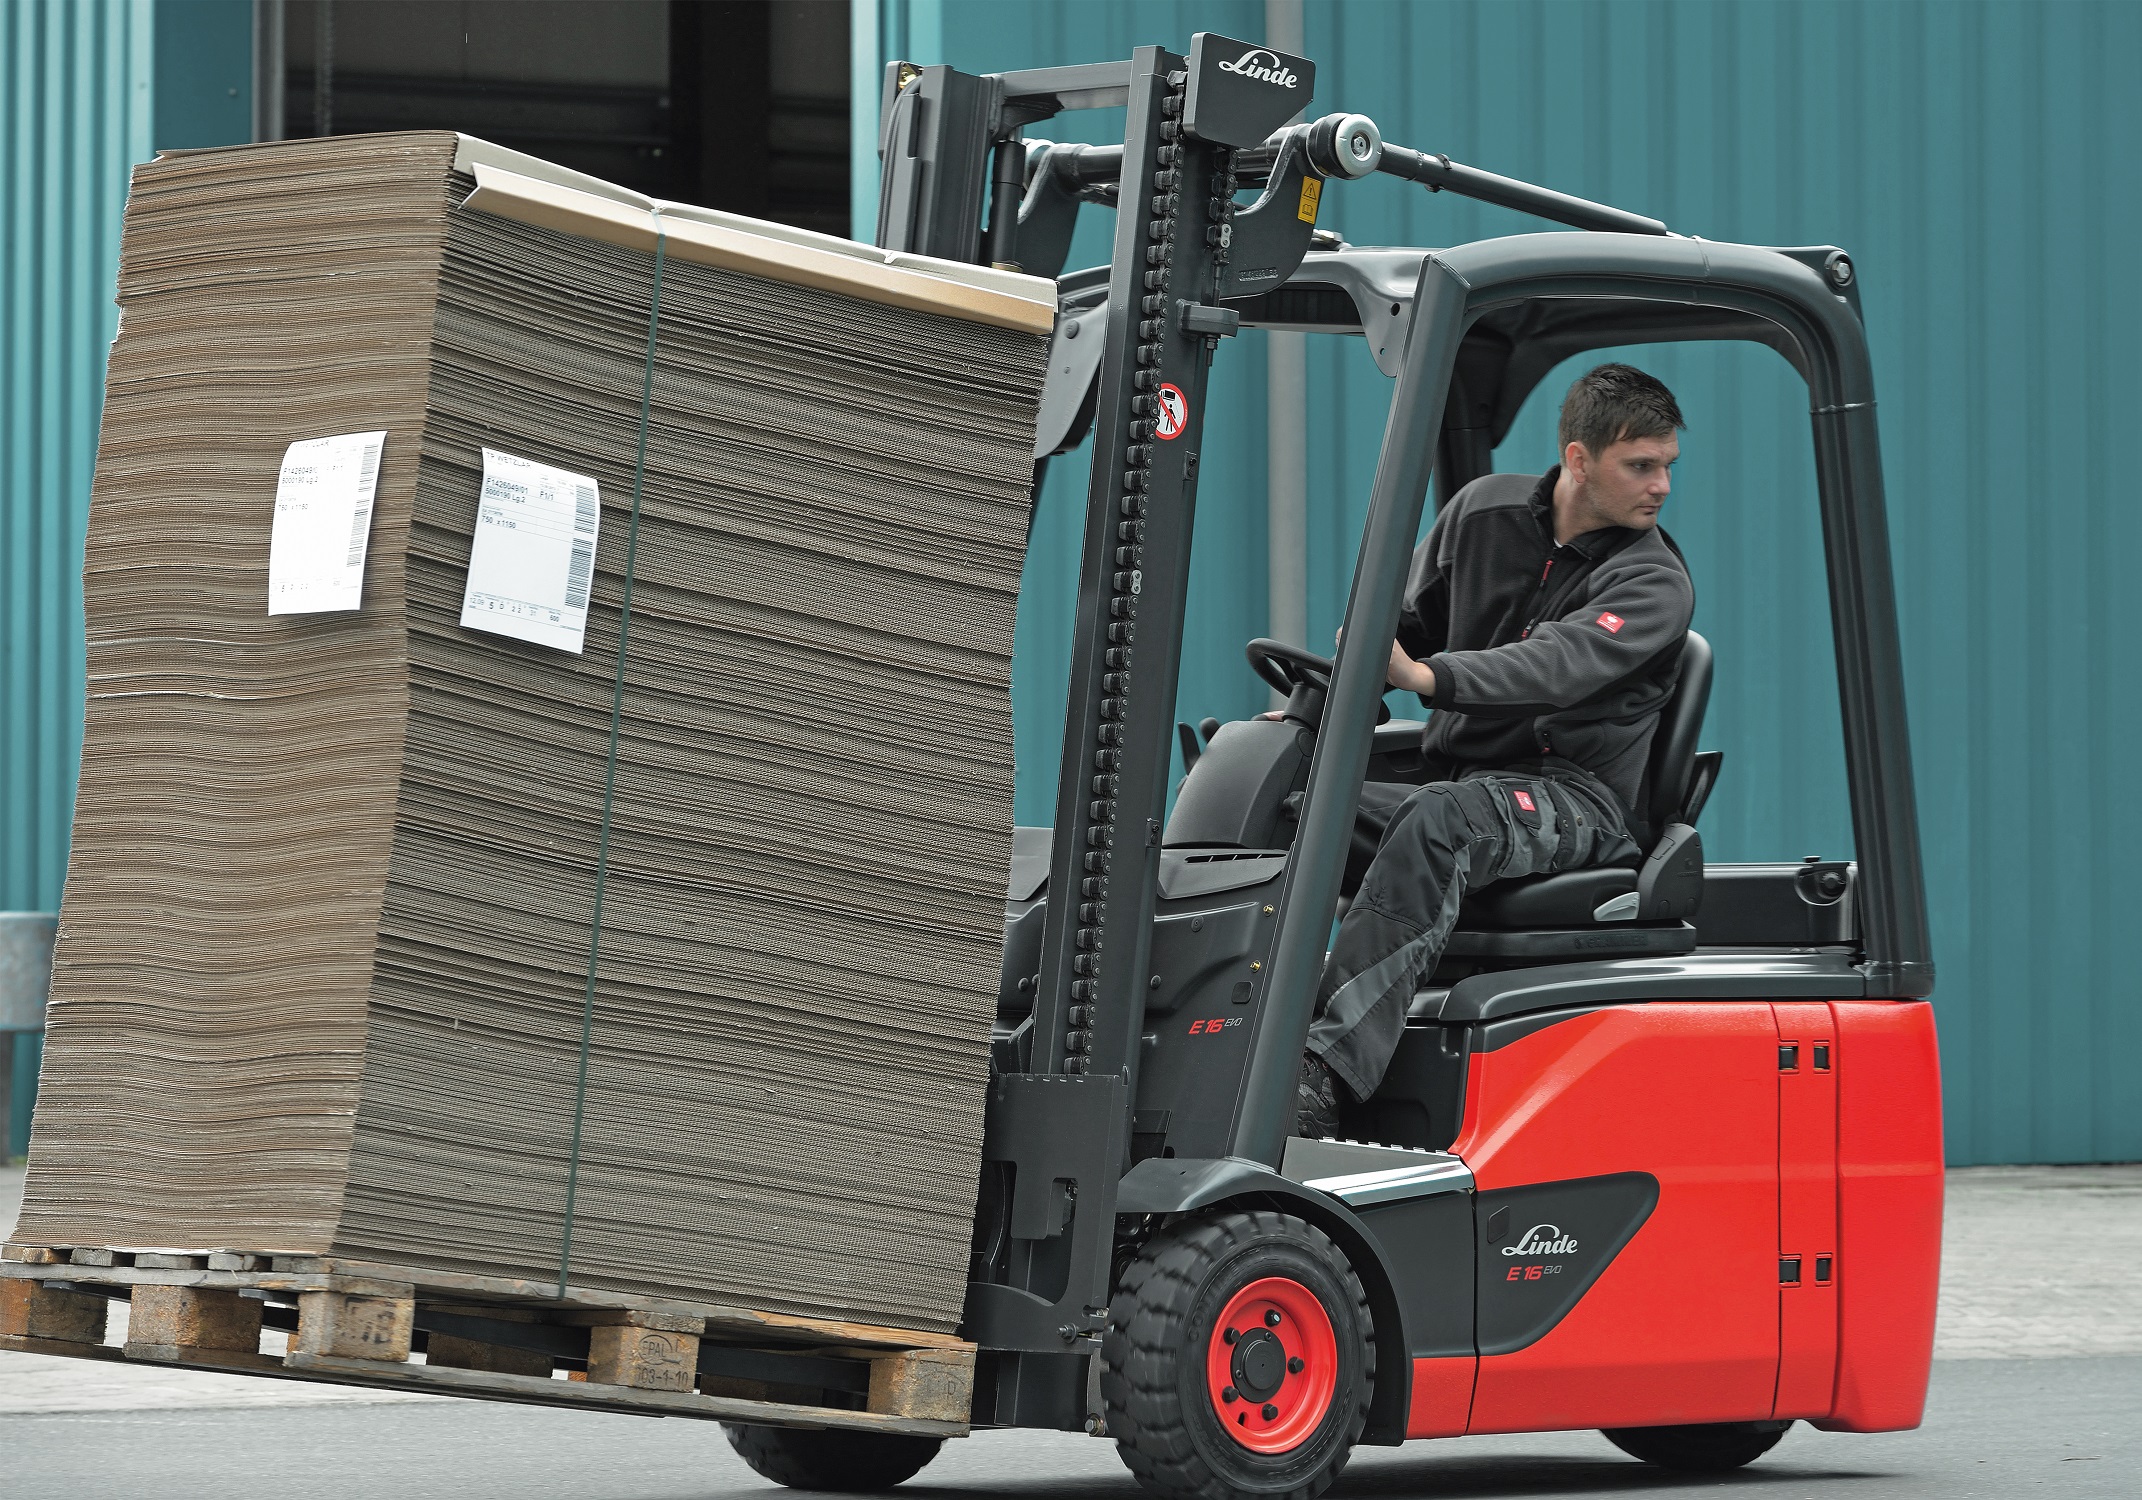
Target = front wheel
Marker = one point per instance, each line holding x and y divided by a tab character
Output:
1238	1361
1709	1448
844	1462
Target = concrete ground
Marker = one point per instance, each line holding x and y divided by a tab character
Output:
2037	1390
2040	1263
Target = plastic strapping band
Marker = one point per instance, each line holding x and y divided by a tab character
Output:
609	782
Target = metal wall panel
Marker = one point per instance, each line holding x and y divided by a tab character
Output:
1978	162
87	88
75	110
205	71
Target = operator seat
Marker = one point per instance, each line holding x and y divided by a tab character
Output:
1676	785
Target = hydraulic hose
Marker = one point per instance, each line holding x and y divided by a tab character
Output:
1440	174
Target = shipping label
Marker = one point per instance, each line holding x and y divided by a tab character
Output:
532	561
323	521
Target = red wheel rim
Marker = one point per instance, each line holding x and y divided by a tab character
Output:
1272	1365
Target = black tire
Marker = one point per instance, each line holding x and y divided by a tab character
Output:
1163	1335
1710	1448
845	1462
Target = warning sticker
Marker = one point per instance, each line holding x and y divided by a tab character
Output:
1312	194
323	522
533	556
1174	412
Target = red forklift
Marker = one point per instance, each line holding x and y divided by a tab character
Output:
1660	1152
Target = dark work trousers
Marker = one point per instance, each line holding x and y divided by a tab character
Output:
1424	847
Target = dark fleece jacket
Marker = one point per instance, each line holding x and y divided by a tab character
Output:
1539	651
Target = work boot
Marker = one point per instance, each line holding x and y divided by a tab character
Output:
1316	1100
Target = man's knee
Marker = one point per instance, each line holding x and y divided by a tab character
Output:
1427	848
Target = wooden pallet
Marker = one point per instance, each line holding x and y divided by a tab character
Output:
490	1338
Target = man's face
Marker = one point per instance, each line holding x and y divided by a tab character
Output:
1626	484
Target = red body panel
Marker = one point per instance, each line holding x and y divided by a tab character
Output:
1889	1184
1442	1396
1807	1208
1683	1325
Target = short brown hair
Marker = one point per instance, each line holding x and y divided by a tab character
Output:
1617	404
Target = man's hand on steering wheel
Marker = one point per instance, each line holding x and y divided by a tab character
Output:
1286	666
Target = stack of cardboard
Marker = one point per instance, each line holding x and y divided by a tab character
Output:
324	975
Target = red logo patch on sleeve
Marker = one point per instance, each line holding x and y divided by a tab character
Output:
1612	622
1524	800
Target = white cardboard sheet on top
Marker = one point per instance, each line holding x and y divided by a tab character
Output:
323	522
533	555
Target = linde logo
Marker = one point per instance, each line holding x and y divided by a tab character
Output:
1262	65
1543	1239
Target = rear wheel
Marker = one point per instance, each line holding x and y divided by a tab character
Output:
1238	1360
1708	1448
844	1462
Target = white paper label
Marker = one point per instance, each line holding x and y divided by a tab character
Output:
323	520
534	553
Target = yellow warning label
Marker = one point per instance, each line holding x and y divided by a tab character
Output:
1312	189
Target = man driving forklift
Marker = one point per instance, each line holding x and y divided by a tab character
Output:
1543	623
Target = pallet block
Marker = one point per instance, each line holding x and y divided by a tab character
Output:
186	1317
935	1385
735	1388
446	1352
32	1310
647	1351
344	1325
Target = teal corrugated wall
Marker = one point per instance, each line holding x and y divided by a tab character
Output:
76	96
1979	162
87	88
204	73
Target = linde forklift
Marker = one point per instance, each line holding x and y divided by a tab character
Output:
1660	1153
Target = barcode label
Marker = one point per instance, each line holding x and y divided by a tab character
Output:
532	559
578	574
323	518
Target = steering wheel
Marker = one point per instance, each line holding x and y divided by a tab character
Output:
1303	676
1286	667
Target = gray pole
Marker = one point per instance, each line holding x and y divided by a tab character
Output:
1286	434
269	62
323	69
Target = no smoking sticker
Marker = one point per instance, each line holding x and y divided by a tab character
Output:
1174	412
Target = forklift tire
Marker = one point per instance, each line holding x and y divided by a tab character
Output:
847	1463
1238	1361
1710	1448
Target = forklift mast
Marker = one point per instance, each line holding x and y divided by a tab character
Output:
1180	246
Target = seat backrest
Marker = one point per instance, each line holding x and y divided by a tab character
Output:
1673	743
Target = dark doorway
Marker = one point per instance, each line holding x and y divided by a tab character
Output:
733	104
